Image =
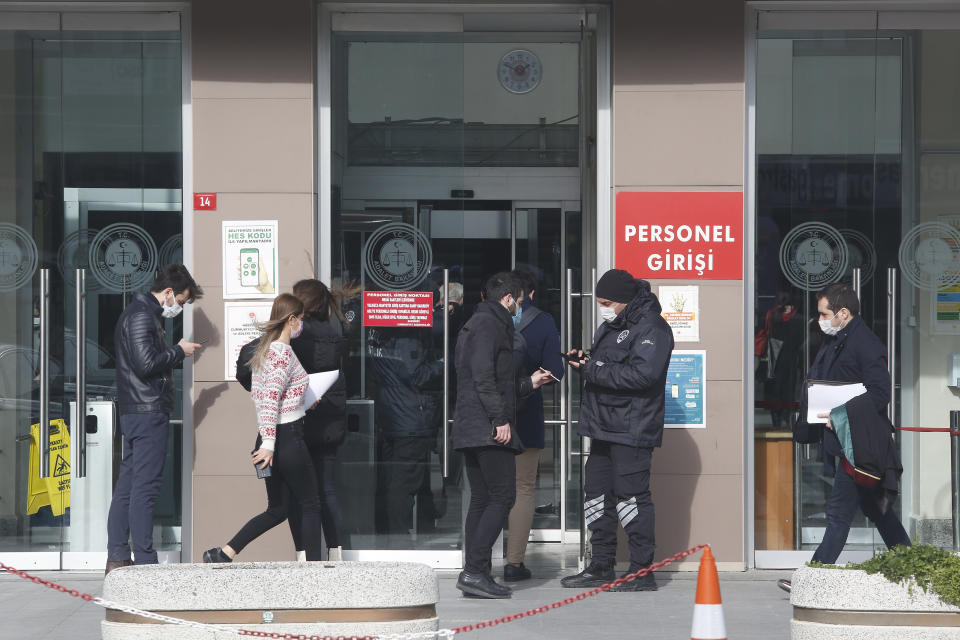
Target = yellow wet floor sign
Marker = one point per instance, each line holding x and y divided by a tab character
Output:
55	490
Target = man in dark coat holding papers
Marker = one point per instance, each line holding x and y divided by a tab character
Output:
850	353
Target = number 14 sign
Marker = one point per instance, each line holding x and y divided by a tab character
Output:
204	202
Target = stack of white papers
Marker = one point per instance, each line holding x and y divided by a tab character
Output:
317	385
823	397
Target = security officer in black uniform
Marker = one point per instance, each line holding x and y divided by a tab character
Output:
622	413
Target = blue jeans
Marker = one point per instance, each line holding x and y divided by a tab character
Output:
141	476
842	506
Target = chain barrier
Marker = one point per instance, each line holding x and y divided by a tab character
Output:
929	430
424	635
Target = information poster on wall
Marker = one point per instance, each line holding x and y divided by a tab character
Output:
249	259
686	392
240	327
946	301
681	310
397	309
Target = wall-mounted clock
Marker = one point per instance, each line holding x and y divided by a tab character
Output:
520	71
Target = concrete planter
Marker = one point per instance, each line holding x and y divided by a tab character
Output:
311	598
854	605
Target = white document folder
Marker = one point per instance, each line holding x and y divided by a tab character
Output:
823	397
317	385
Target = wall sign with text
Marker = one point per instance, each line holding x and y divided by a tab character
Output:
686	392
397	309
680	235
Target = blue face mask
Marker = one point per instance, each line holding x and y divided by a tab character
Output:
516	318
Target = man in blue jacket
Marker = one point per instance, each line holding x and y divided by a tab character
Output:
850	353
538	346
622	413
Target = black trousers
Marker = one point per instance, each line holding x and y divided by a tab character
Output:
331	518
492	474
842	506
138	487
617	488
406	473
292	470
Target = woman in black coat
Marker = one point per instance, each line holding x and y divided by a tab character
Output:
322	347
484	426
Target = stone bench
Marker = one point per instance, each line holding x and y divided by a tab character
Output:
311	598
838	603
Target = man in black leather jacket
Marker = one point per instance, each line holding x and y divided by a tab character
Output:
145	364
622	414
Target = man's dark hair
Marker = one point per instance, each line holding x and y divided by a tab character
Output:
176	277
840	295
527	280
501	284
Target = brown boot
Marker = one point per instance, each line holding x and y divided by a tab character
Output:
116	564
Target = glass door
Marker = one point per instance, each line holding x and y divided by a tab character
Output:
547	244
857	158
452	158
91	203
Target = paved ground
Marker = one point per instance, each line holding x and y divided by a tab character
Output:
753	606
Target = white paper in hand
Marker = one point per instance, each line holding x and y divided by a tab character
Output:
317	386
824	398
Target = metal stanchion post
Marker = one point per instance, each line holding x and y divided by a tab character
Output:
955	476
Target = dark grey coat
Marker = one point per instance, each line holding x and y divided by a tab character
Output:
487	383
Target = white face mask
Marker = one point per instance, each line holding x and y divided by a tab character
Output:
828	328
172	311
608	313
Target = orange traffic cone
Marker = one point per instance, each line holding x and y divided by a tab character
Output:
708	609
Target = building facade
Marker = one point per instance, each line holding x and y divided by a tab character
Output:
740	155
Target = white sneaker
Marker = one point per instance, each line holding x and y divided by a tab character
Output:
301	556
335	554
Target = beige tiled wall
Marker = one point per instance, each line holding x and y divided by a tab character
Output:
253	144
678	125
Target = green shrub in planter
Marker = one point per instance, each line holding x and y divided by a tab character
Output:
928	566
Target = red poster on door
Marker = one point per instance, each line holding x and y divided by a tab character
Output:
397	309
680	235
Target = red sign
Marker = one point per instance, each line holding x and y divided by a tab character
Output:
397	309
680	235
204	202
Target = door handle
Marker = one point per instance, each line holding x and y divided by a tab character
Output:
892	339
446	372
857	273
44	445
80	430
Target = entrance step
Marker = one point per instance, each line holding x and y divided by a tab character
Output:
311	598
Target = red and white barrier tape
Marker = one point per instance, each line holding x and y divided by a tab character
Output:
441	633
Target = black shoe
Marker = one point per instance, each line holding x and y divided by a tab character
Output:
593	576
548	509
216	555
481	585
786	585
513	573
644	583
116	564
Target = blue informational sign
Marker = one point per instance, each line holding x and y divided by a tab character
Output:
686	392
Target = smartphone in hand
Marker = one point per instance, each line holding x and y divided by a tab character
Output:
261	473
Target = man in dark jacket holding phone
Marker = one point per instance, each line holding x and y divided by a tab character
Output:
145	364
484	426
622	413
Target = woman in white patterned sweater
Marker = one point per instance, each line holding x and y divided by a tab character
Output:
277	391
